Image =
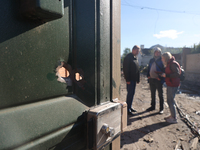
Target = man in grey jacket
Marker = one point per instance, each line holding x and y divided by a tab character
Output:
131	75
155	69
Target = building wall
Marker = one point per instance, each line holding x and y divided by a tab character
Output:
193	63
192	68
139	56
144	60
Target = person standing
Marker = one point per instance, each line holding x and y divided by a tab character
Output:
172	73
132	76
155	69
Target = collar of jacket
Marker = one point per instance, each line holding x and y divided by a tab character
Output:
156	59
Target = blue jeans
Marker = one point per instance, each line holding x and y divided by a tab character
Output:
171	92
130	94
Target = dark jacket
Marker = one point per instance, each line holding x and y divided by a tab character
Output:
172	72
131	68
159	68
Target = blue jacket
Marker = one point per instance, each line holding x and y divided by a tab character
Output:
159	67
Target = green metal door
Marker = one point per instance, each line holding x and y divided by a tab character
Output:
36	110
30	53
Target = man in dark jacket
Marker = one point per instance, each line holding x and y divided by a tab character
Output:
131	75
155	69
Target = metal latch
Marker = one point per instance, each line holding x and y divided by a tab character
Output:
109	131
104	125
44	10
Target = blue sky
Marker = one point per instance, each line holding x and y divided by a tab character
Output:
171	23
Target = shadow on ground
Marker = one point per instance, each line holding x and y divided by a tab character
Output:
138	117
136	134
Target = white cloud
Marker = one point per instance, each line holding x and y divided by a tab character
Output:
172	34
197	35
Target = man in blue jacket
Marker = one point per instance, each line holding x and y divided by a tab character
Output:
132	76
155	69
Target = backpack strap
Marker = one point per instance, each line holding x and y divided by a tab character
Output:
175	62
159	67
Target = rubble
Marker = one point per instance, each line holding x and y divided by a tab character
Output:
148	130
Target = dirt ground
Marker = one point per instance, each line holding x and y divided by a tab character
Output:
149	131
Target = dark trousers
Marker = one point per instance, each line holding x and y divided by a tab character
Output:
156	84
130	94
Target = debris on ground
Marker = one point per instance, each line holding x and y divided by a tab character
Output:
149	130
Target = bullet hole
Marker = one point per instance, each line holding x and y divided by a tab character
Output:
63	72
60	72
78	76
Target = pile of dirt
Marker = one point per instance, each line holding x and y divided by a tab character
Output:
149	131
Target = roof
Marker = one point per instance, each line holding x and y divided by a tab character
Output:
157	45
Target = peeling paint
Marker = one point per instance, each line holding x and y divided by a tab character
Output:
60	79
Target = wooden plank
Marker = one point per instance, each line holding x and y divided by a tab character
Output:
185	145
194	144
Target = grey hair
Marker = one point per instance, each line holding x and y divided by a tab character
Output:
157	49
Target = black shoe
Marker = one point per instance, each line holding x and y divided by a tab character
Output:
150	109
133	110
131	114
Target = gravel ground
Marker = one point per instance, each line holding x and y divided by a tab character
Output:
149	131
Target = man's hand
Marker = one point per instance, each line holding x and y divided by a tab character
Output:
158	79
149	77
163	75
128	82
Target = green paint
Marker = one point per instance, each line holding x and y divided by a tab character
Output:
51	76
29	57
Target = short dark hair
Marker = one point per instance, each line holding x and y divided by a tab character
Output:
135	47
